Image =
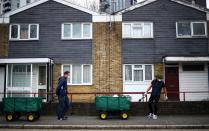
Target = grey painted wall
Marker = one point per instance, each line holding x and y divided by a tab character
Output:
164	15
50	16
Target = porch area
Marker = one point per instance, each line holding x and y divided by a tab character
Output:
187	78
26	77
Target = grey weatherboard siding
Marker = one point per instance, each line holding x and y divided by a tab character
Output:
50	15
164	14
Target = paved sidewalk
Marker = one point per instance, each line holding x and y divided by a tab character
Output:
91	122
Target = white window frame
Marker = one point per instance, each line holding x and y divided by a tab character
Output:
192	30
16	88
71	71
133	68
71	37
18	35
132	25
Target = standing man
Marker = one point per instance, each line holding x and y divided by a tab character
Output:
156	87
62	93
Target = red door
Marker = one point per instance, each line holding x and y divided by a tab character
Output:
172	82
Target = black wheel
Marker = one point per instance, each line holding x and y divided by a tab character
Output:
124	115
37	115
9	117
31	117
103	115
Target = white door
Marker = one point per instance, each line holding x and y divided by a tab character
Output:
2	78
193	78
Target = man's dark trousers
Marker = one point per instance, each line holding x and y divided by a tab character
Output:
153	101
61	107
67	105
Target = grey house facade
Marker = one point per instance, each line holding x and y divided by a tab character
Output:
45	40
179	55
107	53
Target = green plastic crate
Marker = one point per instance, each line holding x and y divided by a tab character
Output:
109	103
22	104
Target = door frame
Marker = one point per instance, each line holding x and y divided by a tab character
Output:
172	65
4	93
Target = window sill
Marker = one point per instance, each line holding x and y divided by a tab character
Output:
140	38
23	40
79	84
193	37
138	82
65	39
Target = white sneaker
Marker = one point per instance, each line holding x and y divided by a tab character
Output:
150	115
154	117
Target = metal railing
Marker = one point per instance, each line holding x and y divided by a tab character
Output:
71	95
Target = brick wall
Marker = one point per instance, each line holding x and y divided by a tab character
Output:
107	63
165	108
159	70
107	57
76	98
4	31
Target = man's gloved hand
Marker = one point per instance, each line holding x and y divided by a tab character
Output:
166	97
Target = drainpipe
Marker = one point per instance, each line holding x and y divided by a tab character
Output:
164	68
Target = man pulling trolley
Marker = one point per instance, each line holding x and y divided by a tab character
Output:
156	85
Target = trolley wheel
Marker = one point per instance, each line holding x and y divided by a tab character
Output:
124	115
37	115
31	117
103	115
9	117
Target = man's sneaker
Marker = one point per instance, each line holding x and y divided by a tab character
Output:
59	119
150	115
154	117
65	118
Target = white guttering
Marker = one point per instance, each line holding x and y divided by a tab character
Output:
186	59
25	60
107	18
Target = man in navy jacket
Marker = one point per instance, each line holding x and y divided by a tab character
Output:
62	96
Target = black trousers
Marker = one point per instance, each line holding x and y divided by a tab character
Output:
63	106
153	101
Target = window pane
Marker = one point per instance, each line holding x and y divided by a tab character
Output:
184	29
199	29
28	1
86	74
128	72
42	75
76	74
67	30
14	31
24	31
86	30
127	30
198	67
137	66
67	68
76	30
148	72
147	30
21	76
33	31
137	30
138	75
